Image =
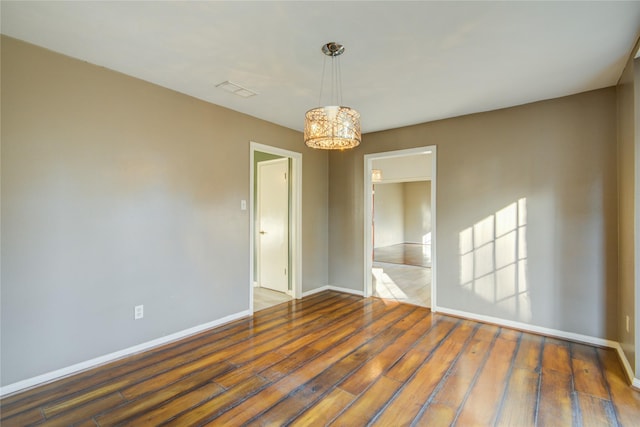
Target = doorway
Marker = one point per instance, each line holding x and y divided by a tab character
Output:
400	189
272	223
275	195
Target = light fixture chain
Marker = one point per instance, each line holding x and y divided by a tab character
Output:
333	81
339	81
324	66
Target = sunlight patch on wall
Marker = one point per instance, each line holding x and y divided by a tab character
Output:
493	259
426	247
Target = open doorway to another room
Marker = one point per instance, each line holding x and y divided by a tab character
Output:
274	227
402	225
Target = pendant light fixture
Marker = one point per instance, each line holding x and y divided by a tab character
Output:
332	127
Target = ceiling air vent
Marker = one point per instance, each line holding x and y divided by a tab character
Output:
236	89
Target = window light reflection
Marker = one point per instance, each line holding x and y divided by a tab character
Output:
493	259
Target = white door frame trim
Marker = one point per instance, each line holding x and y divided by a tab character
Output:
368	207
296	216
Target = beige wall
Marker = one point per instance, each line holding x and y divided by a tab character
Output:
626	208
402	212
388	214
116	192
417	211
548	171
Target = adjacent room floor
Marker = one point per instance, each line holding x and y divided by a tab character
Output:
265	298
403	273
400	272
403	283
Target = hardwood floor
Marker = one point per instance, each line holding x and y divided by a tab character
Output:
402	272
338	359
403	283
404	253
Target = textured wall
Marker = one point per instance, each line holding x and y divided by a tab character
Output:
526	211
417	211
116	192
388	214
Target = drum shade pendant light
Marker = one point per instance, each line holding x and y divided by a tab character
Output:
332	127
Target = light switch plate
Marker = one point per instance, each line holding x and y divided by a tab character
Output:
138	312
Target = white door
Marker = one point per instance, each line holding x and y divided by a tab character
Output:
273	224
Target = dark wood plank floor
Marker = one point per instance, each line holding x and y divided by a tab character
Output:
338	359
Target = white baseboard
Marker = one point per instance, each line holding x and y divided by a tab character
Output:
332	288
346	290
315	291
635	382
107	358
529	328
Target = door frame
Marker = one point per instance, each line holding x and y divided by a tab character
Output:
368	215
295	224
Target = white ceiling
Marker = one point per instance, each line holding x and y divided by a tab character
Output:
405	62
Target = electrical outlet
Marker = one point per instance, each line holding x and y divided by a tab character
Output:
138	312
243	205
627	323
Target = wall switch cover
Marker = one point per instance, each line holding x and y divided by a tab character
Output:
138	312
